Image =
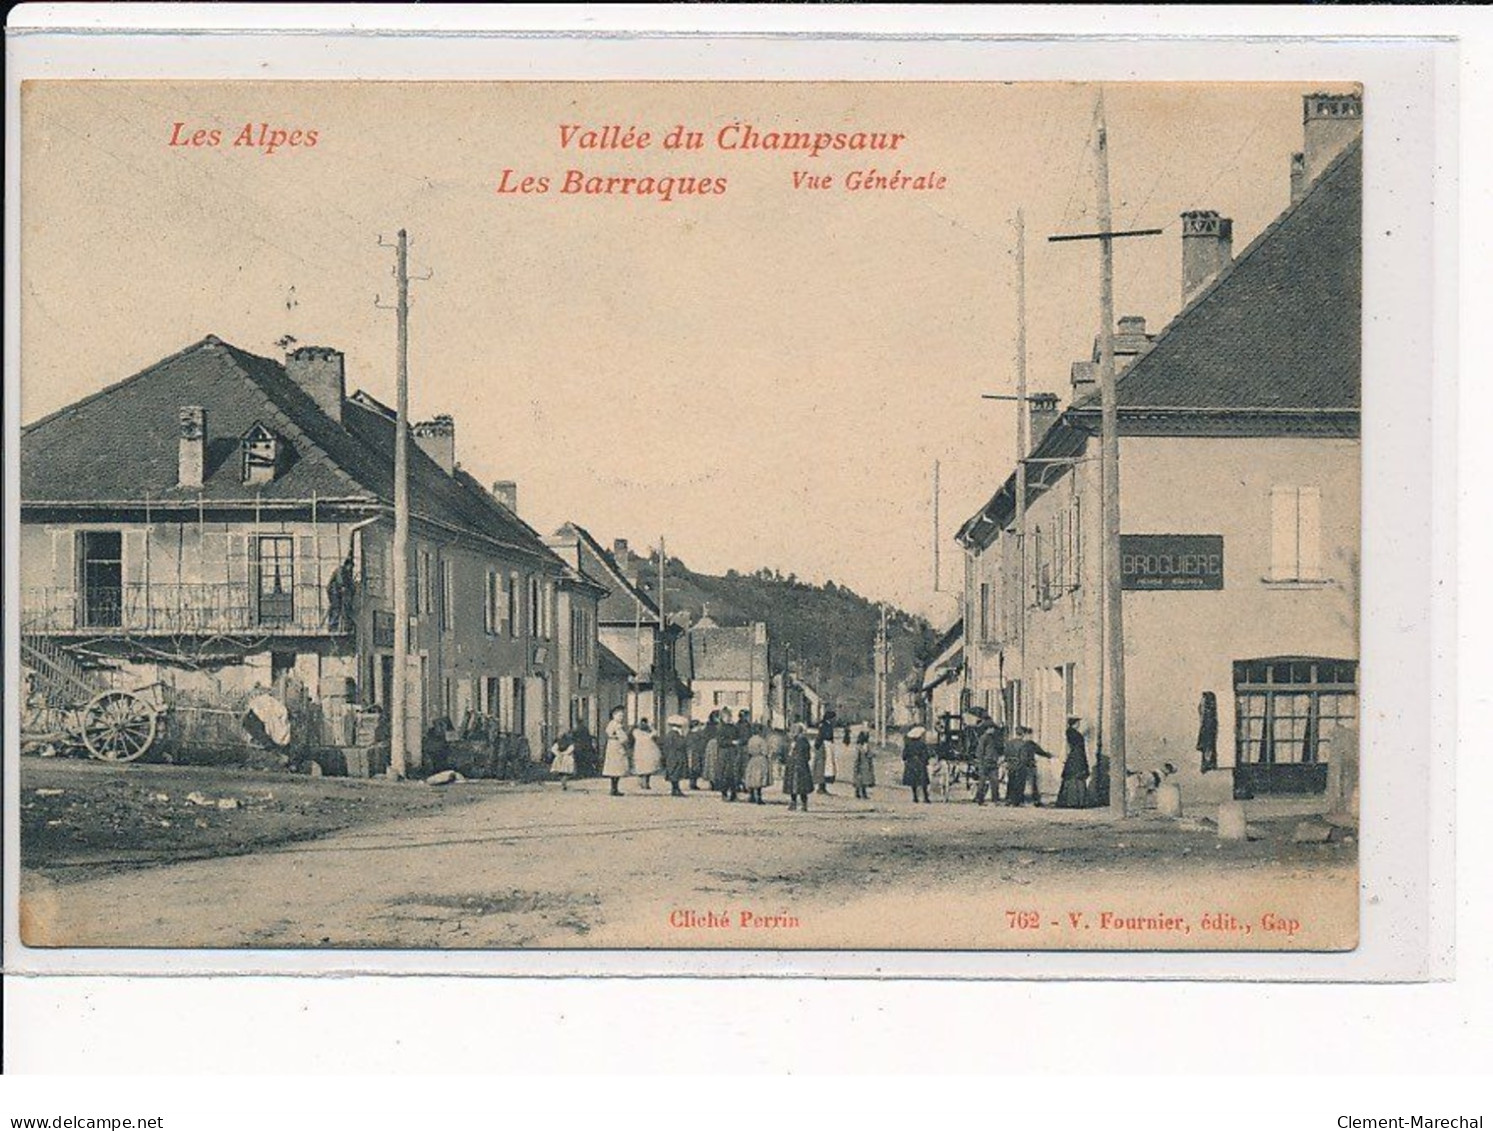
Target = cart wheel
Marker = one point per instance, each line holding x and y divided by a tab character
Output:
118	726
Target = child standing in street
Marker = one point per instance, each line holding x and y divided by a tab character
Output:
865	766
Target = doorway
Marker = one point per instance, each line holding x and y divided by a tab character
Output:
101	577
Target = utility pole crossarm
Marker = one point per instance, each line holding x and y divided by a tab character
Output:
1105	235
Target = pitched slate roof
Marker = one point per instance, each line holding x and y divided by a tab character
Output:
1271	346
121	444
620	606
609	665
727	653
1280	327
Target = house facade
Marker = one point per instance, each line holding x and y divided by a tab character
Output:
629	626
729	668
1239	501
242	542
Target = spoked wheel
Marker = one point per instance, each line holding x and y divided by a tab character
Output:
118	726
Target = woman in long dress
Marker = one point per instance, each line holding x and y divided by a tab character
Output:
758	773
798	776
676	753
1074	792
915	763
647	758
614	763
563	763
710	765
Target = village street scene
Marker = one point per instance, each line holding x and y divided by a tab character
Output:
948	560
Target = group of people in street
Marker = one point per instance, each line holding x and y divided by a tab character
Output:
740	759
733	755
996	748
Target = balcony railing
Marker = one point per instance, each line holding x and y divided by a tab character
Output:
170	609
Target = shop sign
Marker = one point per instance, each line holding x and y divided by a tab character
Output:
1171	561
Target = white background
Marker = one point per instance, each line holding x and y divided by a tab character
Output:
393	1025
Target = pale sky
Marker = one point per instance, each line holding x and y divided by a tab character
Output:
765	377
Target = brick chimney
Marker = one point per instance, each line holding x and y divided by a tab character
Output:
1329	124
191	461
318	370
1207	248
506	492
1084	376
437	439
626	562
1042	414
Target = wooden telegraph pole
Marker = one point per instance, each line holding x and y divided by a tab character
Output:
399	760
660	694
398	756
1113	733
1023	450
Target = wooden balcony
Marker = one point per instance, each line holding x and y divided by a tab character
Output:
169	609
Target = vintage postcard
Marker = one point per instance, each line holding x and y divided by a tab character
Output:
677	515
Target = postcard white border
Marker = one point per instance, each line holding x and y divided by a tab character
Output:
1409	444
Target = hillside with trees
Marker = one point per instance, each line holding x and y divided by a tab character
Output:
826	633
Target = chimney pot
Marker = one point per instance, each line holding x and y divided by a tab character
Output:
506	492
192	448
1329	124
319	371
1207	248
437	439
620	550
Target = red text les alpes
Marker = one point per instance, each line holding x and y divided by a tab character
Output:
259	136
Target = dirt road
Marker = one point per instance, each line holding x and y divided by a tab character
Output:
531	866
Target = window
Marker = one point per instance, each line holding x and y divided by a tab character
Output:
274	584
536	624
491	698
101	577
492	603
1283	706
513	604
424	584
1295	533
261	452
985	611
448	594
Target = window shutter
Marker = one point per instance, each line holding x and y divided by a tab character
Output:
1282	533
64	565
1309	533
135	569
239	548
307	566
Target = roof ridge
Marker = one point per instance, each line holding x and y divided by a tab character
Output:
1250	249
611	563
207	341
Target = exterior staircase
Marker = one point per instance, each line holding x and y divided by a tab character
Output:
57	674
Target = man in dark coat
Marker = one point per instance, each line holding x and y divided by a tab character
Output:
988	743
1021	767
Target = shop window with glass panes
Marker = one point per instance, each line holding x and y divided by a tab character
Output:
1284	705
